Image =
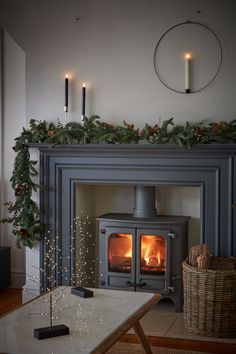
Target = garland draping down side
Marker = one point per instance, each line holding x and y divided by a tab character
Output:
24	214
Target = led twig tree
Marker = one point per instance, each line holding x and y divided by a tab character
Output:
51	270
85	251
82	240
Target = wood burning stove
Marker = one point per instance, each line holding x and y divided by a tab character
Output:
143	251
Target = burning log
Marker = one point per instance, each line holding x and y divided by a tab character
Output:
153	261
121	260
143	262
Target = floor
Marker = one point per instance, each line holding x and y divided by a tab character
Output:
9	299
163	321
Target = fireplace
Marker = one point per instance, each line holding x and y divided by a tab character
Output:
211	168
143	251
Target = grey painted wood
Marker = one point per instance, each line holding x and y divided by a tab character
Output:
210	167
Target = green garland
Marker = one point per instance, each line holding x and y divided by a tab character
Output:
24	213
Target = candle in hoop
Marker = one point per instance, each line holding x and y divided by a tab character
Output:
187	72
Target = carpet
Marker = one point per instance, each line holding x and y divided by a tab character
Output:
128	348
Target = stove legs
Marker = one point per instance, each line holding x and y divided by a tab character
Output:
178	302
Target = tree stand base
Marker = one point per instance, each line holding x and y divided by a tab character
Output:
48	332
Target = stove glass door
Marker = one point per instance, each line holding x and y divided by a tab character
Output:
120	252
153	254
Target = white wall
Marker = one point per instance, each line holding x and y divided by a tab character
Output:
13	119
111	49
182	201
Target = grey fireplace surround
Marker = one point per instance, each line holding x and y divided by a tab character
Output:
210	167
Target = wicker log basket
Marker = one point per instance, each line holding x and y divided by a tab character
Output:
210	296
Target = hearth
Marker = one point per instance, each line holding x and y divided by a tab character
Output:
211	168
143	251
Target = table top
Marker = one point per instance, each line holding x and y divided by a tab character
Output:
95	323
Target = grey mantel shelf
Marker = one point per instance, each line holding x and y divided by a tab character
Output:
211	167
165	148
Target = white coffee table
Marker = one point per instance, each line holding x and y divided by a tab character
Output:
95	323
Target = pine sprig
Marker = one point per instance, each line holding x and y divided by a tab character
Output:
158	134
24	214
186	136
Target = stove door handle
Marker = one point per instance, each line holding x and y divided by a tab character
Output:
128	283
141	285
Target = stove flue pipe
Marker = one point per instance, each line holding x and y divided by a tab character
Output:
144	202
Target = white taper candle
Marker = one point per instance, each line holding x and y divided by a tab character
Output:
187	72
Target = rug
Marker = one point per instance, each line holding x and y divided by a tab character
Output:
130	348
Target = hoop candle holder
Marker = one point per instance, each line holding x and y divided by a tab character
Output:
188	61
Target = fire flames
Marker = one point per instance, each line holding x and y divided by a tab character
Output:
120	245
153	250
152	257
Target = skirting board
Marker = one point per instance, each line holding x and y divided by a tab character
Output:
17	280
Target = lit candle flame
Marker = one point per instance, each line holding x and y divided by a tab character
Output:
187	56
83	84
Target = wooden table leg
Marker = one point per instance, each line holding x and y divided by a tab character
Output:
143	339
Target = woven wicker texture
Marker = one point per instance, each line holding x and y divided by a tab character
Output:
210	301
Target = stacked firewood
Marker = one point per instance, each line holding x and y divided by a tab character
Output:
200	257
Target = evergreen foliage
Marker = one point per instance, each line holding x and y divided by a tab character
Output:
24	214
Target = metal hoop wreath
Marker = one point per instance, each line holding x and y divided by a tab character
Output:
220	61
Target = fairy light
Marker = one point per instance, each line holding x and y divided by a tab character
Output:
50	270
85	275
82	243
